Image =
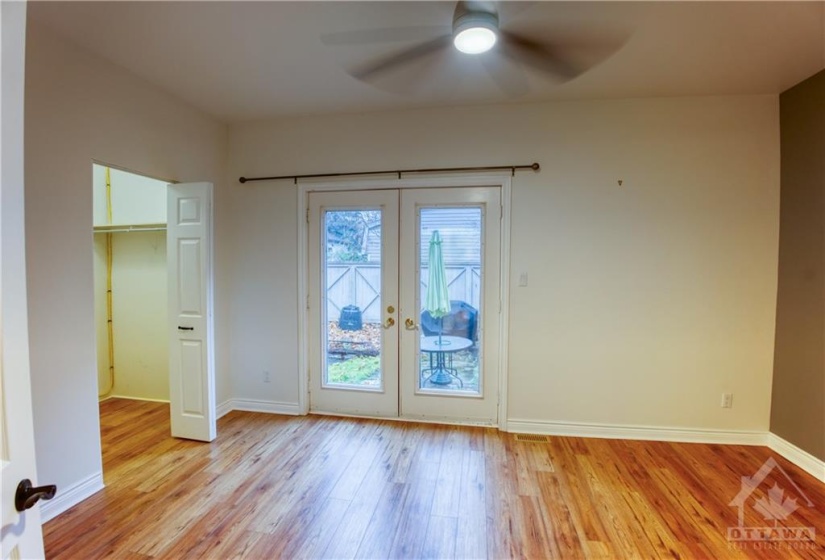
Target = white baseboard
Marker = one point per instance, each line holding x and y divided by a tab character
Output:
224	408
799	457
443	421
66	498
648	433
131	398
251	405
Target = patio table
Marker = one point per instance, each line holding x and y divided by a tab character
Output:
441	350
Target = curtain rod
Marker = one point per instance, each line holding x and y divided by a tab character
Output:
399	172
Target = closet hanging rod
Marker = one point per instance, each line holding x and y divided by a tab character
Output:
129	229
398	172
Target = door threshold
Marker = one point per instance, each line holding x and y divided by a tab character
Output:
441	421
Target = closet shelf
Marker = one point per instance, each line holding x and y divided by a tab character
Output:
129	228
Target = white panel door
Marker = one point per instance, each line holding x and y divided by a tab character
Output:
20	533
191	361
353	329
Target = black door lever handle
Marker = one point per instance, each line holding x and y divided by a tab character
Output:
186	328
28	495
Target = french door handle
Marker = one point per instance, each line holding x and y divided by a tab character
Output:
410	325
390	323
186	328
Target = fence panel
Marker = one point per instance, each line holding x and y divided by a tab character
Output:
360	284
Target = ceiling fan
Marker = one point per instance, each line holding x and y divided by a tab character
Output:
477	32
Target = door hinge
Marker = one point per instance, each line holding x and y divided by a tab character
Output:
307	215
307	301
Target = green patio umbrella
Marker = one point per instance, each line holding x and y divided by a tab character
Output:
438	298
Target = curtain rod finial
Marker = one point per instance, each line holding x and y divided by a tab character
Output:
535	166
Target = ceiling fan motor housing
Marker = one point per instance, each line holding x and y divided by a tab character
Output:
475	32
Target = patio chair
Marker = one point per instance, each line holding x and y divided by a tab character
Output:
462	321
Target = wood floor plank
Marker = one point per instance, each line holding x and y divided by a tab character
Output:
359	513
410	532
471	528
321	487
500	500
440	541
315	535
448	481
381	527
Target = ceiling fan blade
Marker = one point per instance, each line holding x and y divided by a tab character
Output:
464	6
510	9
539	56
372	70
508	77
385	35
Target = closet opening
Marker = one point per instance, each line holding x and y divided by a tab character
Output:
130	293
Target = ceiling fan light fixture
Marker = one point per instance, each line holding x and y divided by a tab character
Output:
475	32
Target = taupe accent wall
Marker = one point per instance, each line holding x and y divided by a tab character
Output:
798	404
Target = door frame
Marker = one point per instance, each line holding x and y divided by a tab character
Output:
211	375
501	180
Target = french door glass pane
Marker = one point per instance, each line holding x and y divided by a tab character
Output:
449	296
352	284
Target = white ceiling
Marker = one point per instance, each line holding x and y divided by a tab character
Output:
253	60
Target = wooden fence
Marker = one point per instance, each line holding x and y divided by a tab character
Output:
360	284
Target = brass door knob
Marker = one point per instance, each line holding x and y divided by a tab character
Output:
410	324
390	322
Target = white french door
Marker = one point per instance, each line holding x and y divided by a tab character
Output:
354	362
404	314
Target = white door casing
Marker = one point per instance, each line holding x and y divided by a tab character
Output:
191	346
20	533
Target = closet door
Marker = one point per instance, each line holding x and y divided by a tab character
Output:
191	361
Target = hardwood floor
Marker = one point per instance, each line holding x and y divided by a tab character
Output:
321	487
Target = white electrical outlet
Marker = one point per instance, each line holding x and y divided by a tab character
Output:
727	400
266	376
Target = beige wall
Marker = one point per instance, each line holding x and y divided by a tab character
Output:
646	302
798	407
135	199
139	315
80	108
